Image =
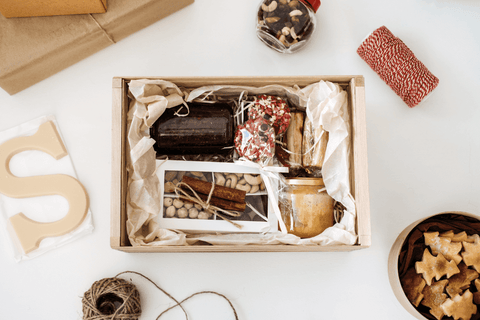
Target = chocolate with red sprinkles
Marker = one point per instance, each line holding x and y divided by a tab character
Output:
273	109
255	140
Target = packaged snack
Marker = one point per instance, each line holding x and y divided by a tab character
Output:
286	25
255	140
42	204
203	197
314	146
306	208
202	128
273	109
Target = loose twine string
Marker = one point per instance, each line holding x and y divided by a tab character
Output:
118	299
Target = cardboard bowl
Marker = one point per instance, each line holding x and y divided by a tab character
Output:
398	246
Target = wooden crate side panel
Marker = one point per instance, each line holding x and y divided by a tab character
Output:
118	185
248	248
351	109
256	81
362	195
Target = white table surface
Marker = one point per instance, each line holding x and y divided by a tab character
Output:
422	161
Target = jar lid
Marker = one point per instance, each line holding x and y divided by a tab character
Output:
305	181
314	4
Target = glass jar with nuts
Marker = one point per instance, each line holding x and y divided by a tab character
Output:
286	25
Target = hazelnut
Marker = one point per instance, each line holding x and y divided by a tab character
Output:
169	187
182	213
193	213
177	203
170	212
167	202
170	175
204	215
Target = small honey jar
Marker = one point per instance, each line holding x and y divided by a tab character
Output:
306	208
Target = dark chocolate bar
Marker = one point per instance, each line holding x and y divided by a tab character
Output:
207	129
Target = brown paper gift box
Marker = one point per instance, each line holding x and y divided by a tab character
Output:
34	48
29	8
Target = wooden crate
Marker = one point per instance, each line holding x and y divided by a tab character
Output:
355	87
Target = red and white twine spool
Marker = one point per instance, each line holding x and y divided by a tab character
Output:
396	64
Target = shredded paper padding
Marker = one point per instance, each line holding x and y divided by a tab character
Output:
325	104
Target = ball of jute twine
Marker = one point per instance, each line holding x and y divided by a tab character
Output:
111	298
118	299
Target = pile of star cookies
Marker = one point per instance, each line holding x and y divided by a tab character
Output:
446	279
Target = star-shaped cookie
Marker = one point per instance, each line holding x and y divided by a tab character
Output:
434	297
476	295
437	267
413	284
460	307
450	250
471	253
461	281
455	237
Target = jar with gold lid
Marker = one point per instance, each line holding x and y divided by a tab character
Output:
306	208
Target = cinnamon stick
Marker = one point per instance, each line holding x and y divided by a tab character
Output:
221	192
221	203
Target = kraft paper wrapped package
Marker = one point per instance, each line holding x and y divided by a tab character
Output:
28	8
35	48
